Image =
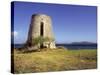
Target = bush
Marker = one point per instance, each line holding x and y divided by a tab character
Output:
61	47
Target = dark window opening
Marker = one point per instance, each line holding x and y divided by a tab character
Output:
29	44
41	32
41	29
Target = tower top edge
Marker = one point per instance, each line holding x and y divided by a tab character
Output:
40	15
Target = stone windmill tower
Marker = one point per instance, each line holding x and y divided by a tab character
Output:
40	27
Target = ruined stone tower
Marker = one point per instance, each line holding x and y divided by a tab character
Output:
40	27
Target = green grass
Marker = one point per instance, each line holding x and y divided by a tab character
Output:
54	60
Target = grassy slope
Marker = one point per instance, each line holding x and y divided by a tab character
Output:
54	60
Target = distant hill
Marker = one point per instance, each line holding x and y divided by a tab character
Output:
78	43
84	43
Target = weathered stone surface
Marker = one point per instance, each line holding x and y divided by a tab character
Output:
41	26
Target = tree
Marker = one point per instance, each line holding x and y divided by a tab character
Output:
40	40
49	40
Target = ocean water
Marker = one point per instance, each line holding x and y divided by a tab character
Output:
74	46
68	46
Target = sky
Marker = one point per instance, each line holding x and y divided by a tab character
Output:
71	23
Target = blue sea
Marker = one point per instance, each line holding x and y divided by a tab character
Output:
79	46
69	46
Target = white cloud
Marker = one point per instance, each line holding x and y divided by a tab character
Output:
15	33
